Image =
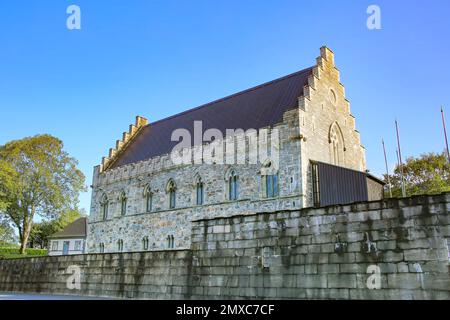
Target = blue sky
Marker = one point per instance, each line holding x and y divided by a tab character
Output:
157	58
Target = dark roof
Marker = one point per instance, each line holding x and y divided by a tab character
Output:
255	108
75	229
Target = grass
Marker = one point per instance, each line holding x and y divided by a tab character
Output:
12	252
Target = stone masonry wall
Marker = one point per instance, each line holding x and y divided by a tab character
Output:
290	254
324	107
323	253
140	275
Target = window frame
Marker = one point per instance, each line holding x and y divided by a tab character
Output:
123	204
233	190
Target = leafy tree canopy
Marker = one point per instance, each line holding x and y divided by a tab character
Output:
427	174
37	178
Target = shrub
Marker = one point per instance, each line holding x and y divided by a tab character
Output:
13	251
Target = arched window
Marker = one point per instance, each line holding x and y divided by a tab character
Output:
120	245
104	207
233	186
123	204
269	180
199	191
171	190
337	145
148	199
145	243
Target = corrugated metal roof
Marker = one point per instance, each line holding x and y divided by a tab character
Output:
75	229
254	108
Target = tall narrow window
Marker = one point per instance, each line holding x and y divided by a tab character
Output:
148	197
145	243
337	146
120	245
269	180
170	242
272	186
104	207
233	186
123	204
102	248
199	188
171	190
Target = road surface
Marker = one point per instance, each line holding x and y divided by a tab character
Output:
15	296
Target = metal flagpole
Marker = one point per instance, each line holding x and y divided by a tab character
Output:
445	133
400	160
387	168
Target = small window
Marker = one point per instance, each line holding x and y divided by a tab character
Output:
233	186
333	97
170	242
148	197
123	204
104	207
102	248
145	243
171	189
78	245
54	245
272	186
120	245
199	188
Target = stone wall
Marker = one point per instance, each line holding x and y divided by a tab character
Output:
324	109
326	253
140	275
321	253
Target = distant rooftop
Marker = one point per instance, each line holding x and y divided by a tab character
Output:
75	229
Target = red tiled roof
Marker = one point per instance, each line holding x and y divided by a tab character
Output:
254	108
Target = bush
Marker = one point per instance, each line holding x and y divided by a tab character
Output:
6	252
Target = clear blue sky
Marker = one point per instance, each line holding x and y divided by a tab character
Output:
157	58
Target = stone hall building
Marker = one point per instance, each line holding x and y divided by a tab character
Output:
143	200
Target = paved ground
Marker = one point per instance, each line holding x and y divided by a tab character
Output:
9	296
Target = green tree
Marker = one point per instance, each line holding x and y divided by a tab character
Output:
40	232
427	174
42	180
7	236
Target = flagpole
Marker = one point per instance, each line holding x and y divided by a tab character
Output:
445	133
387	169
400	159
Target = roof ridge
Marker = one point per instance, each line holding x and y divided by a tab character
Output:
233	95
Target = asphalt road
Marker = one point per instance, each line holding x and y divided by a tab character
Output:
9	296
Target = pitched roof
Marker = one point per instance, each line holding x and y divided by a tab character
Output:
254	108
75	229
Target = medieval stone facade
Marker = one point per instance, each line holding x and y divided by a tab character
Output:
150	204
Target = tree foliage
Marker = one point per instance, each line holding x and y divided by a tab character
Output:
38	178
7	236
427	174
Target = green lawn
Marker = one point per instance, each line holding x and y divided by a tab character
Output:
13	253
